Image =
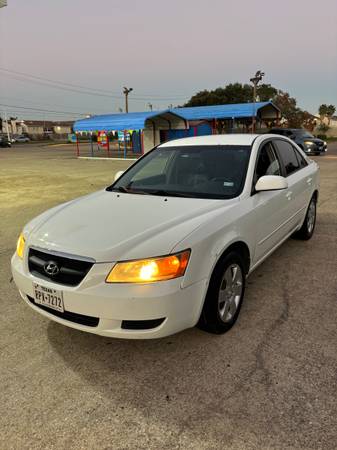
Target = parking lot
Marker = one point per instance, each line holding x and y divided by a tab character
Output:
270	383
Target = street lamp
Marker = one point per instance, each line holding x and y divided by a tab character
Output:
126	92
255	80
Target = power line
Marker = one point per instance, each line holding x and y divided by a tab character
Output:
63	88
41	110
38	103
79	88
53	81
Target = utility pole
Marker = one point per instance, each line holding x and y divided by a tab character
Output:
126	92
7	129
150	106
255	80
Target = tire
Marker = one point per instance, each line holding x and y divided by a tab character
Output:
307	229
223	300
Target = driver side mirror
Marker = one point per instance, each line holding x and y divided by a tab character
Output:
271	183
118	174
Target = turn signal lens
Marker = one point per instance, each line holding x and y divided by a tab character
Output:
149	270
20	246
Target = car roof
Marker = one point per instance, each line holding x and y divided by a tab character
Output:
215	139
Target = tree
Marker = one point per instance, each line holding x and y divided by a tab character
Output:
290	112
266	92
308	121
326	112
294	116
232	93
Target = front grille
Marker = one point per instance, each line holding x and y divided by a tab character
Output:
81	319
71	271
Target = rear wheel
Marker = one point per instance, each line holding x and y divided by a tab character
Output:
308	227
224	296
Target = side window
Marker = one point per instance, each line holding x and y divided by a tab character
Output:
267	163
287	153
301	159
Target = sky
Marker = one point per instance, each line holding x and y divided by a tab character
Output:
165	50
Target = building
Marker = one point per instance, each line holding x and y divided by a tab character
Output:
38	129
150	128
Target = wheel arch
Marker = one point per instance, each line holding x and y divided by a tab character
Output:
239	247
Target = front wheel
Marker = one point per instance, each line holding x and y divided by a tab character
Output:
308	227
224	296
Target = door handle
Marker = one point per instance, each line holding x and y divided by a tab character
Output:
288	195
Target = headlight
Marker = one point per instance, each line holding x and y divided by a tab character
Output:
149	270
308	143
325	143
20	246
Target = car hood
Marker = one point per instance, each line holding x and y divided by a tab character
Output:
109	226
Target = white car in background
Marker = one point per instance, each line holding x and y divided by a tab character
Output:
169	245
22	138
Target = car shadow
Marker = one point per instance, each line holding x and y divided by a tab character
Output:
186	379
175	379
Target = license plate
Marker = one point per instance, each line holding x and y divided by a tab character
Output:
51	298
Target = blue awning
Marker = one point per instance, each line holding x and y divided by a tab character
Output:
115	122
236	111
136	120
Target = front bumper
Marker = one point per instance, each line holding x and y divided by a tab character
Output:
312	149
113	304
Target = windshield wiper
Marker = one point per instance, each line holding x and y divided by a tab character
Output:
161	192
171	193
128	191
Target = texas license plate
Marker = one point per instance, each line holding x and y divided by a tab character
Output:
51	298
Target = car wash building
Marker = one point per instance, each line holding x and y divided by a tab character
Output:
148	129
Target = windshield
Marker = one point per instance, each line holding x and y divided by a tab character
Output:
189	171
303	133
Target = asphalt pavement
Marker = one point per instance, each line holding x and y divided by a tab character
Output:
270	383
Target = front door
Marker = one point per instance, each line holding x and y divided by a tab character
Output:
270	207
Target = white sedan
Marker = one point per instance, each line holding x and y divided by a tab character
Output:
21	138
170	243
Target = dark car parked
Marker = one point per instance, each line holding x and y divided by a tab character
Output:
4	142
304	139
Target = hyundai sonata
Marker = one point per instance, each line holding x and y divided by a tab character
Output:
171	242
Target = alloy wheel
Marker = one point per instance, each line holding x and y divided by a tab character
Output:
311	216
230	292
